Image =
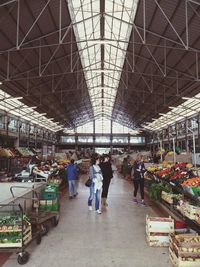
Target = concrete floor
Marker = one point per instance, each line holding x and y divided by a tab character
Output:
85	239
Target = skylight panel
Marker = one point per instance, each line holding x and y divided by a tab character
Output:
115	30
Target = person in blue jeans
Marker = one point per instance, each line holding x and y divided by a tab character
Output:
96	177
72	175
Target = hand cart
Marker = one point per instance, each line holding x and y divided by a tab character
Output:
39	219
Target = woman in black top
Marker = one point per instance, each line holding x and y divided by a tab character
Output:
107	172
138	178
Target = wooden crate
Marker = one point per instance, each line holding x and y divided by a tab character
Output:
190	211
179	262
157	240
27	237
159	225
184	250
158	230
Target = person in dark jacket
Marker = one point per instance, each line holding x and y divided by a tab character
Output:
107	172
138	178
72	176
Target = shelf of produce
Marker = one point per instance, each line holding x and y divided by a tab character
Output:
195	225
191	223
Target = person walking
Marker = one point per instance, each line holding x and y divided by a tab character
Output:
138	178
72	175
107	172
96	177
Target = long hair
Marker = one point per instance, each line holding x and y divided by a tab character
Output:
94	159
139	157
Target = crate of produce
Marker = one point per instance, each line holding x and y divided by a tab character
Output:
171	198
158	230
49	205
190	211
11	236
167	197
184	250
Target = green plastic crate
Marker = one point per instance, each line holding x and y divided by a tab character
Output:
50	192
49	205
196	191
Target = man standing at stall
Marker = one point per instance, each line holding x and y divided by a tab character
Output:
72	175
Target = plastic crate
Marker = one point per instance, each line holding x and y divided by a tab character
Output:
51	188
49	205
196	191
49	196
50	192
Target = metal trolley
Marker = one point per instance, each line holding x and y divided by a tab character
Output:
19	226
40	219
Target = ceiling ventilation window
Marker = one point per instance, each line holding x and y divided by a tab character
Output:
102	53
186	110
14	106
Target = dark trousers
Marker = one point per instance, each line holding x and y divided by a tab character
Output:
139	183
106	184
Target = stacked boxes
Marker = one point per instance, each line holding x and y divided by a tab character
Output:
184	250
158	230
49	201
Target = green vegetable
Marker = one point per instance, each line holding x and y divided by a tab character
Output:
156	189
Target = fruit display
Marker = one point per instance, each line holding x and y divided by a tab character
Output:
192	182
165	173
153	168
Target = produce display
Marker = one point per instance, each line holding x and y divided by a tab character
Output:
171	198
184	250
179	174
12	229
168	183
192	182
190	211
156	189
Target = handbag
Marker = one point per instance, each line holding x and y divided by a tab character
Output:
88	182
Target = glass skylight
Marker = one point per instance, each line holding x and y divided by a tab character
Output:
14	106
102	55
188	109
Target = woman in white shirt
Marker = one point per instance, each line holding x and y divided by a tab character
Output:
95	175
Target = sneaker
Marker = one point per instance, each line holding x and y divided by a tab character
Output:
89	207
143	204
98	211
76	194
70	197
135	201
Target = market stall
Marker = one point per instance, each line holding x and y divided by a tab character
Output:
178	188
